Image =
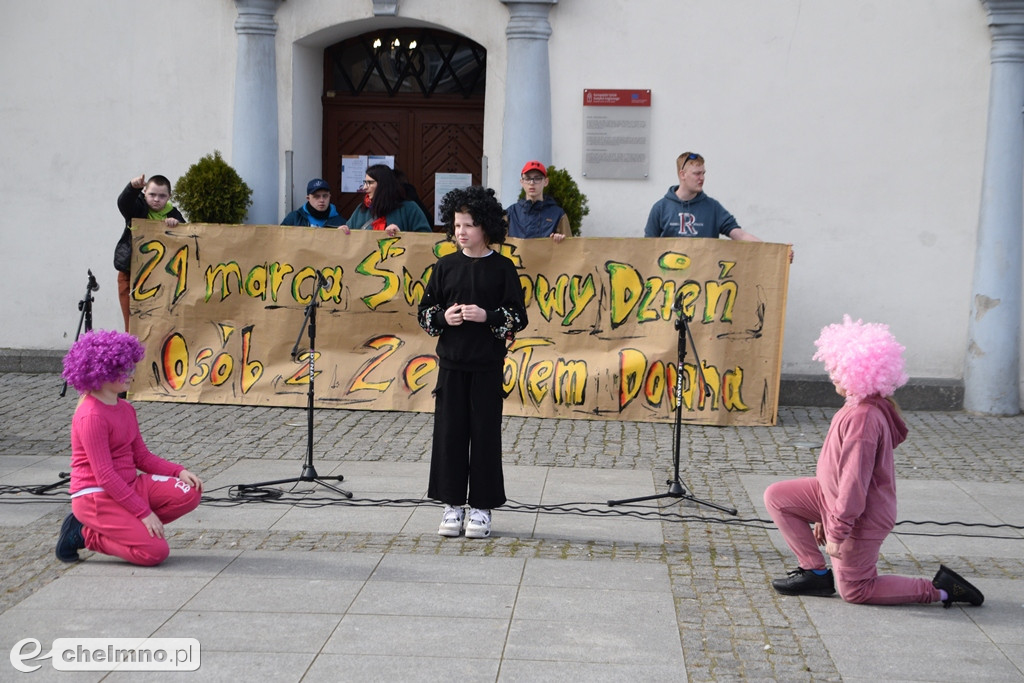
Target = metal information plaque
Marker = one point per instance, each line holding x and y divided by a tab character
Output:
616	133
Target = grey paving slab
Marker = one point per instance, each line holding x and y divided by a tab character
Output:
193	563
418	636
601	604
152	592
256	632
291	564
545	671
451	599
617	641
217	667
458	665
47	624
626	576
26	512
33	469
345	518
920	657
466	571
251	594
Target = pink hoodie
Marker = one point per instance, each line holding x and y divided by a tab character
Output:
856	471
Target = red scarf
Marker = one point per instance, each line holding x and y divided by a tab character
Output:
378	223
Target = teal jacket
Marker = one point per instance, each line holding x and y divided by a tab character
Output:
408	217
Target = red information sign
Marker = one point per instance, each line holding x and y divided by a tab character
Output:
616	98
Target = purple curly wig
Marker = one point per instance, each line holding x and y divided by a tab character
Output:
862	358
99	357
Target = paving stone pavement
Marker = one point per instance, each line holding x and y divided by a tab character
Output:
731	624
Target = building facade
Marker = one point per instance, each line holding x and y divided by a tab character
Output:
859	132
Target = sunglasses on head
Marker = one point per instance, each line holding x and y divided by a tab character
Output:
687	157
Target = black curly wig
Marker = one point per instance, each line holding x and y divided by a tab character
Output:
478	202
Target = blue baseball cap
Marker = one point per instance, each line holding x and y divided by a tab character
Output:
317	184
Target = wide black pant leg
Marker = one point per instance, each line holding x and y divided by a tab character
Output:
467	439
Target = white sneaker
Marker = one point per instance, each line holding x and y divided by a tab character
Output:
451	521
478	523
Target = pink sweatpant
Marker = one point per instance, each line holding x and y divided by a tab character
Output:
795	505
110	529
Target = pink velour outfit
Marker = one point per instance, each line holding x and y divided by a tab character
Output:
853	495
109	495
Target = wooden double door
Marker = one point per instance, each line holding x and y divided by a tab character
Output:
425	135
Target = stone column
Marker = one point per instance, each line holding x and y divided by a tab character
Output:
992	365
527	121
254	146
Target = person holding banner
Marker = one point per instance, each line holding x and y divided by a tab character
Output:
474	304
140	199
317	212
851	500
536	215
115	510
385	206
685	211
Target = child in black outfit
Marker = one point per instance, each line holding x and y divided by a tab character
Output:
474	304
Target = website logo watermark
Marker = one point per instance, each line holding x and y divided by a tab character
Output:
108	654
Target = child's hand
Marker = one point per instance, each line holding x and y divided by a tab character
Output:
819	533
153	525
833	550
190	479
474	313
392	230
557	237
345	229
140	182
170	222
453	315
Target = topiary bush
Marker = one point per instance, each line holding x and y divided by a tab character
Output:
212	192
564	190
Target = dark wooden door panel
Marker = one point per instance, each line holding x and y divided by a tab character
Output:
425	137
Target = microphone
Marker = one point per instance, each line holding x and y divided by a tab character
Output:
93	285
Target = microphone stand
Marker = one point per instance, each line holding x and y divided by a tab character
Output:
309	472
85	306
676	488
84	320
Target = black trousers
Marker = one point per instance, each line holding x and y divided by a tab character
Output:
467	439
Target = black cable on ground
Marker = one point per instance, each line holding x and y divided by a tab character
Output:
243	494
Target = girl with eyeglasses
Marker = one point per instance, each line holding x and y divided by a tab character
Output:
385	206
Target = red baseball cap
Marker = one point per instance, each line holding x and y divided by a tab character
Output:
534	166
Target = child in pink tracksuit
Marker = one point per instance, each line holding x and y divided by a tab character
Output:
115	510
851	500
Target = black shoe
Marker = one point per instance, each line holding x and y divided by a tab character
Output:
70	540
957	587
805	582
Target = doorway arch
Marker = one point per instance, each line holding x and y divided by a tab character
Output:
413	93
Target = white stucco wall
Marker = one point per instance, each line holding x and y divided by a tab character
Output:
93	95
854	130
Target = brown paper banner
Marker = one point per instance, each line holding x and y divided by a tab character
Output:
220	308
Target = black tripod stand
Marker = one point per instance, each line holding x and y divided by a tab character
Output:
84	320
85	306
309	472
676	488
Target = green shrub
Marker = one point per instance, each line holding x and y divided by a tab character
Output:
564	190
212	192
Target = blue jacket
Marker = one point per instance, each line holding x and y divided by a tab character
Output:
536	219
302	216
701	216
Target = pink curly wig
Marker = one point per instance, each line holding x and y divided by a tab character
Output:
862	358
100	357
